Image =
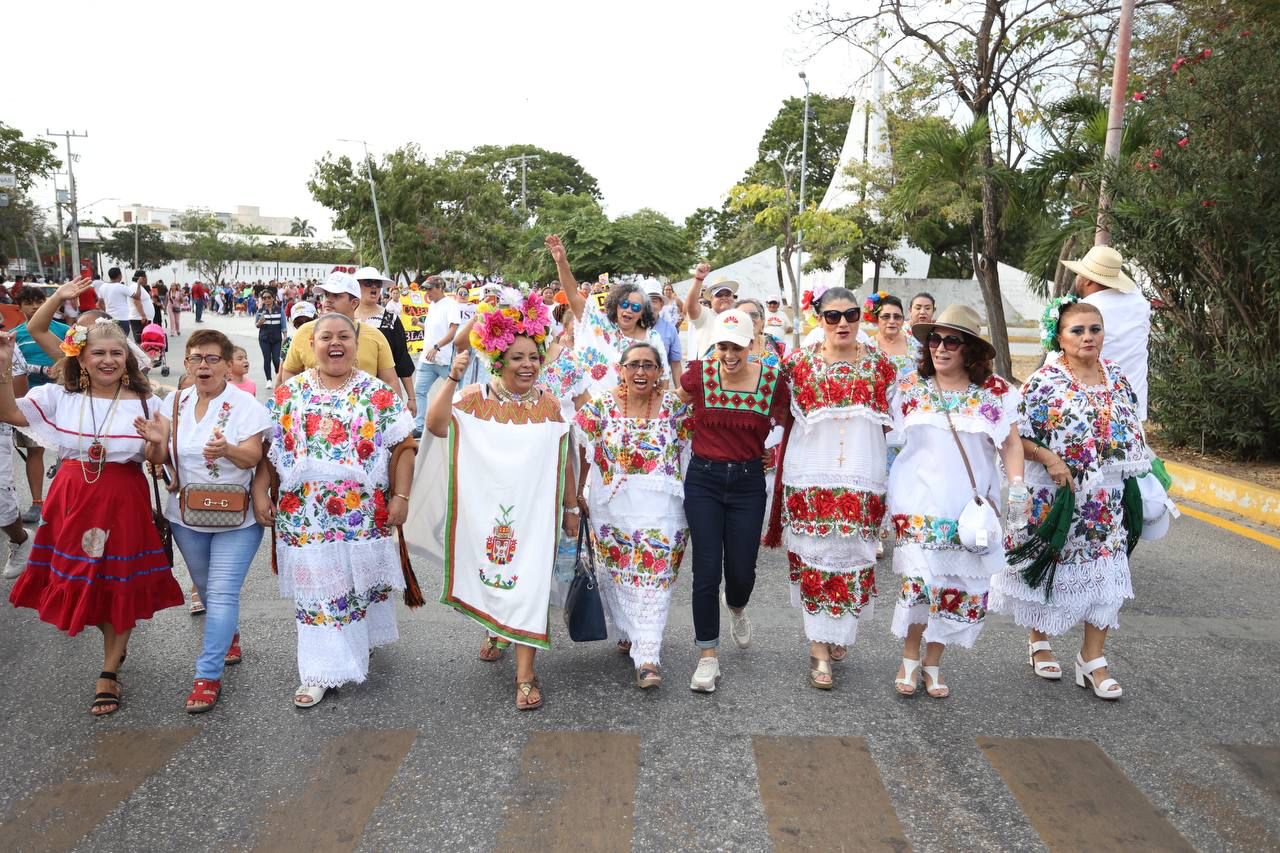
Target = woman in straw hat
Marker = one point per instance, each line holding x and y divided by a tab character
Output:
951	401
1084	448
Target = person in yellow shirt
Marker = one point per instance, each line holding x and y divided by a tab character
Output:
341	295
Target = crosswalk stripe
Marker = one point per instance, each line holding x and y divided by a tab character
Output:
576	791
57	816
1261	764
1076	798
346	784
825	793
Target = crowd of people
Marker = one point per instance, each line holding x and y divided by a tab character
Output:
581	412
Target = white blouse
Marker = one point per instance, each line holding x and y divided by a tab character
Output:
234	413
63	420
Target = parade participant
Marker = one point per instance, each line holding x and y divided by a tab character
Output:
903	351
672	309
632	439
920	309
1084	446
211	433
334	429
98	559
141	309
38	361
1126	313
300	315
765	347
776	321
722	294
20	541
119	299
173	306
562	373
509	487
42	322
199	299
602	333
272	331
341	295
444	318
239	372
956	416
736	402
666	330
830	486
384	319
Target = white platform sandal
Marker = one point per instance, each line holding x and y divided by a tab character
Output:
1048	669
1109	688
308	696
910	678
933	681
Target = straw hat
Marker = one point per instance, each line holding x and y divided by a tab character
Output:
1103	265
720	284
959	318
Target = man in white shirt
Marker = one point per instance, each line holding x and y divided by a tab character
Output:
141	310
439	327
776	321
118	299
1126	314
723	294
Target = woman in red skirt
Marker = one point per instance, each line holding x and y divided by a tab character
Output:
98	559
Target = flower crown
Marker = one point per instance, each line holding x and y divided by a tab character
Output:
871	307
497	326
1049	321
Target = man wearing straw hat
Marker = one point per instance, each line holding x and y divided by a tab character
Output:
1126	314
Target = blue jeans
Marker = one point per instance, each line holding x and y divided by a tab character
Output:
724	504
218	563
199	305
422	381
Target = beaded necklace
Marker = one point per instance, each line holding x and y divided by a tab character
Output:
97	451
335	395
1100	400
524	398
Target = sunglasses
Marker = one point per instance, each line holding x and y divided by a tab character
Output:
646	366
832	318
634	307
950	343
890	317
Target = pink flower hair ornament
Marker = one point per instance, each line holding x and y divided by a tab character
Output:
497	327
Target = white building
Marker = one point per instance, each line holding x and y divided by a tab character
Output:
245	216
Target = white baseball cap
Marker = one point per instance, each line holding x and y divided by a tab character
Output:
371	274
652	288
302	309
342	282
734	327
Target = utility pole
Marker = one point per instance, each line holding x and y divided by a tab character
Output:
1115	115
523	159
68	135
58	202
373	192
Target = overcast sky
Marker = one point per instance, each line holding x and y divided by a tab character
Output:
232	103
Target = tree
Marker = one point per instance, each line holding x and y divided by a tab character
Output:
648	243
995	57
153	251
300	228
546	173
27	159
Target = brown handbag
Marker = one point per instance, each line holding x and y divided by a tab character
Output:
206	504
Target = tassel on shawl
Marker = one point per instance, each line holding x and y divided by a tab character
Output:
773	536
1043	548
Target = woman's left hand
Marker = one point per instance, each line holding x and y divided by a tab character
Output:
397	511
569	521
216	447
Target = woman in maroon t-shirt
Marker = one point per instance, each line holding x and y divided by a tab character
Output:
736	401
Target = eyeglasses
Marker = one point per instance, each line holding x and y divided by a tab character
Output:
832	318
950	343
884	316
646	366
635	307
210	360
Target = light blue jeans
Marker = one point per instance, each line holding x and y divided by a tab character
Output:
218	563
422	381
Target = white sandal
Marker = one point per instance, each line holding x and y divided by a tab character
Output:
934	674
1109	688
910	679
313	694
1042	667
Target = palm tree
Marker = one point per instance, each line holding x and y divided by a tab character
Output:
301	228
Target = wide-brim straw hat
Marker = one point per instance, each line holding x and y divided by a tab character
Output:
958	318
1103	264
728	284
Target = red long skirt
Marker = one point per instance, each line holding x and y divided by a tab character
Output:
98	557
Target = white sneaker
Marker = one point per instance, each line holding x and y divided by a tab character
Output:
18	555
706	675
739	624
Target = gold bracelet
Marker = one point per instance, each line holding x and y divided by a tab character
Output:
398	495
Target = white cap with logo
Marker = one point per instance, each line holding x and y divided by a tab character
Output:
341	282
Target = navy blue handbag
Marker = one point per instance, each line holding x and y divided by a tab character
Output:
583	610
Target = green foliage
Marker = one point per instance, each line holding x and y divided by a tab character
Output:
153	251
547	173
27	159
300	228
1199	212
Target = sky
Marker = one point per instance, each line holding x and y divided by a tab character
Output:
232	103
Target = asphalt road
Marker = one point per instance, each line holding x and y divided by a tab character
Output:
430	754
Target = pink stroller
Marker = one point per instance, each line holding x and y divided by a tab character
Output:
155	343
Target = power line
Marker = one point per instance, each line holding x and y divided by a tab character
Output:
68	135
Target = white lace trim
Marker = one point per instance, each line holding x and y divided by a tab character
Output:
1053	620
847	555
639	615
914	560
824	628
1078	588
316	573
997	432
331	657
840	413
805	478
309	468
945	631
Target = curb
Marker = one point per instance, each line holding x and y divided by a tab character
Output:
1217	491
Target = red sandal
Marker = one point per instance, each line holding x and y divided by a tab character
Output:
234	654
206	691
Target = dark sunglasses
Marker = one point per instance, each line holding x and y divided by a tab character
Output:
631	306
832	318
950	343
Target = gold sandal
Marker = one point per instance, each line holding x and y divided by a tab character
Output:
838	653
648	676
523	689
492	649
819	667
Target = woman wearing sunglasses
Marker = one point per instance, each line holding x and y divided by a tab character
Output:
828	500
632	440
603	332
944	584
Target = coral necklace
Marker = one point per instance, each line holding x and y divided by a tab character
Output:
1099	400
97	451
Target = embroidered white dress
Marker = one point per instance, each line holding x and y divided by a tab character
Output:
599	343
337	558
834	482
637	514
944	585
903	364
1091	580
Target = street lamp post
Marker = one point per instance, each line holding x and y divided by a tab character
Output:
804	167
373	192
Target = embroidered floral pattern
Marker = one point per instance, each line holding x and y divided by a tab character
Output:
646	557
818	511
986	402
219	425
715	397
927	531
341	611
816	385
833	593
913	592
957	605
633	447
562	376
1062	415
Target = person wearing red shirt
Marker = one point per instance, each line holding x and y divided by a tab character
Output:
199	296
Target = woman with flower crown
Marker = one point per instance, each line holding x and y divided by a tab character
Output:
97	559
1084	448
343	488
509	489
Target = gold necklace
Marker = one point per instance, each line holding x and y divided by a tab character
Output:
335	395
524	398
97	451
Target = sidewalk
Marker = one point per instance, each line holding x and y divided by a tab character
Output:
1227	496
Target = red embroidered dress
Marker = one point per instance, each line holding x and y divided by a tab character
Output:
731	426
833	487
